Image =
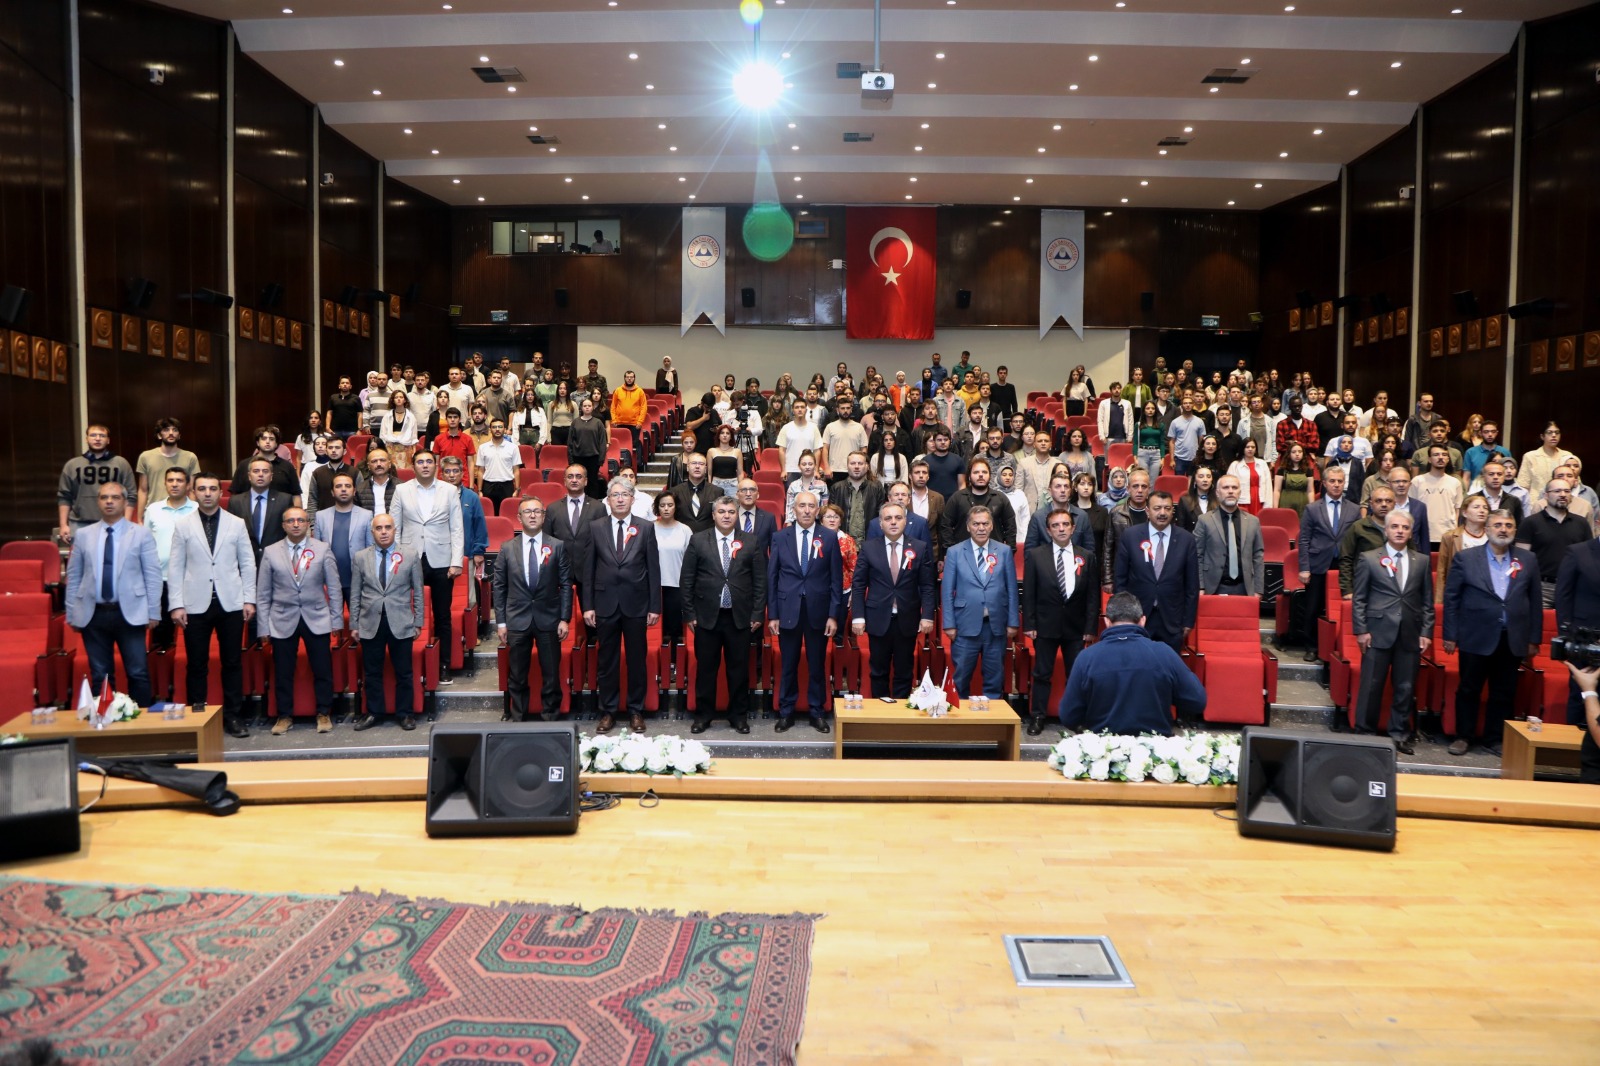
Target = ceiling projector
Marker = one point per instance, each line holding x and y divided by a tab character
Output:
877	85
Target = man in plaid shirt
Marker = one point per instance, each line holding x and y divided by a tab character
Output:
1298	428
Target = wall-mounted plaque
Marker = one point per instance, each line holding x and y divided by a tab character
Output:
58	362
1327	312
394	305
280	330
1474	334
1359	337
182	343
202	346
297	335
1402	321
21	359
132	333
1538	357
366	324
327	312
1566	353
102	327
1494	331
1436	342
341	317
155	338
41	359
247	323
1591	349
1452	339
1388	325
1372	329
1294	320
355	322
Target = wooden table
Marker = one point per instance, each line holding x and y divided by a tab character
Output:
197	732
899	724
1521	747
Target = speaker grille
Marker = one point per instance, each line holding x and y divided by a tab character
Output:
525	776
1348	788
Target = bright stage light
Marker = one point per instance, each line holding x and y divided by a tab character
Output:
757	85
750	11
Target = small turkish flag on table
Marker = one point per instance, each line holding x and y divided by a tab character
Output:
890	260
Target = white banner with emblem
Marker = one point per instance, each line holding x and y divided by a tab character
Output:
1061	270
704	267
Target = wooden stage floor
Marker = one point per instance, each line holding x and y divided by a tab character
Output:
1471	943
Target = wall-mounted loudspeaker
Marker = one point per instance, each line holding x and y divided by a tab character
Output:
1147	301
1319	790
1466	302
1541	306
963	298
747	297
503	779
271	295
561	297
140	292
38	799
1302	298
14	302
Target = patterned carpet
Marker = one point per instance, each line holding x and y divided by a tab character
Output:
134	975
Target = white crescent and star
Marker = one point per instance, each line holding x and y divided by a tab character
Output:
890	276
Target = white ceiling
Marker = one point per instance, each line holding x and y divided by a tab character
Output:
987	128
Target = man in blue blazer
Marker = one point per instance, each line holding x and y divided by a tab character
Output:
1494	615
1322	527
805	580
1157	562
916	526
754	525
892	600
339	510
980	604
114	592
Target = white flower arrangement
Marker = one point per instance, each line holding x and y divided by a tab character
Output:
929	698
633	753
121	707
1195	758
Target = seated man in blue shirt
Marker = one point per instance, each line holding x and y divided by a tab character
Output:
1127	683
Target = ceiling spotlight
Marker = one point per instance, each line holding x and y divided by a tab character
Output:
1230	203
1289	7
338	62
799	196
913	178
633	55
434	151
533	129
1094	59
1188	129
552	147
1041	149
611	3
791	125
1162	151
447	7
1316	133
1027	181
757	85
1016	199
691	196
917	148
1455	11
1124	199
288	11
1108	214
1395	65
377	92
480	199
672	148
1258	185
1121	4
908	196
797	177
933	85
1245	62
1283	155
1355	92
661	125
649	88
407	131
585	196
1215	89
683	179
1072	88
511	88
938	55
457	181
567	180
1144	183
794	148
483	59
785	55
924	125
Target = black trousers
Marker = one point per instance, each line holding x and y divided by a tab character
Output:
889	656
1045	649
617	635
1403	661
229	628
399	652
520	647
1499	669
672	616
163	635
107	632
725	645
441	590
319	656
596	489
1313	604
498	492
815	643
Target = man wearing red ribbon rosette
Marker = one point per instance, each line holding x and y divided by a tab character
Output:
1494	615
299	601
723	583
1060	607
805	580
386	614
892	600
980	604
532	589
1391	613
621	600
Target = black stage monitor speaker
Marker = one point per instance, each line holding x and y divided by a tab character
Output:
38	799
502	779
1315	789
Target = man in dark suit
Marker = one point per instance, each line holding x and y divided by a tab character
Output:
1400	482
1391	612
754	525
621	599
695	494
386	613
1494	615
1060	607
1322	527
723	585
1577	598
916	526
892	600
532	589
1061	500
805	583
568	518
261	508
1229	546
1156	561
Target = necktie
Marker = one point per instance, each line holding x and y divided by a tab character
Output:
727	594
894	561
1161	551
574	505
1399	568
1061	573
694	503
749	526
260	516
532	567
108	589
1231	521
805	550
622	539
383	567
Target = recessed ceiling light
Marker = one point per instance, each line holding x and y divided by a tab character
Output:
1027	181
1215	89
784	55
288	11
338	62
794	148
672	148
611	3
1283	155
1108	214
933	85
633	55
480	199
799	196
791	125
1016	199
377	92
1144	183
1124	199
1289	7
457	181
585	196
1455	11
661	125
924	125
447	7
407	131
649	88
691	196
1230	203
511	88
1162	151
682	178
483	59
918	148
797	177
913	178
567	180
1355	92
435	151
552	147
1258	185
1188	129
1121	4
1041	149
949	3
908	196
1316	133
1057	126
938	55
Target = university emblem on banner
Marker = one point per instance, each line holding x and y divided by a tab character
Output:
1062	254
704	251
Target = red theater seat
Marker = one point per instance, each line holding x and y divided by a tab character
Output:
1240	676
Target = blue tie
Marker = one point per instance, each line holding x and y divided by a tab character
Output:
259	516
383	567
805	550
108	588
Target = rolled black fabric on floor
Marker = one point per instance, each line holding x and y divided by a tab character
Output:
208	786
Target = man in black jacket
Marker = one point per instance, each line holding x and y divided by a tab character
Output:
532	608
953	522
892	599
1060	608
723	585
694	496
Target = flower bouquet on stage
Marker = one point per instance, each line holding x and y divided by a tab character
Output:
109	707
935	701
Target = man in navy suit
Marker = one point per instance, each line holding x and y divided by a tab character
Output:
1493	614
916	525
114	592
1400	481
621	600
532	590
1060	607
754	525
980	604
1157	562
1061	500
892	599
1322	526
805	578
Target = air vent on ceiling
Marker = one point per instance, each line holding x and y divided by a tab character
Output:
496	75
1226	76
539	138
848	71
1172	142
857	138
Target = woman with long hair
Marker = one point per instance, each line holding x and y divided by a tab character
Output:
1471	436
1086	499
1150	440
304	448
1210	455
1472	532
886	461
398	430
1379	475
1296	481
1077	456
672	541
725	460
1255	479
1077	392
560	412
1199	500
529	423
807	481
832	517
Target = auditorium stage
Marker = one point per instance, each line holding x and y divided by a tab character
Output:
1471	943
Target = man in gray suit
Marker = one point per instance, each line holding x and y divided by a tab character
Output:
428	513
1229	545
114	592
532	609
343	527
1392	615
299	600
386	615
211	588
1322	528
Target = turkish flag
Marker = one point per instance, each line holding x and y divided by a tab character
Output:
890	259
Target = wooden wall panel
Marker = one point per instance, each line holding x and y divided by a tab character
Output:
152	166
1378	261
349	254
34	237
416	252
1196	262
1300	253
